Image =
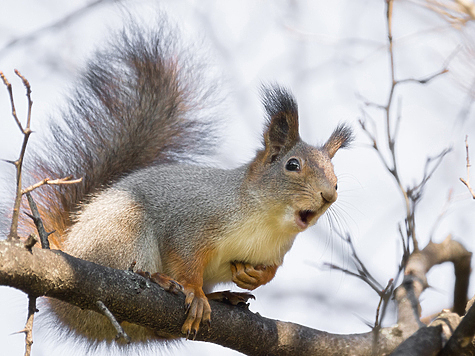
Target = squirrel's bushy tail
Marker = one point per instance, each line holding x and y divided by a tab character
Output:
138	102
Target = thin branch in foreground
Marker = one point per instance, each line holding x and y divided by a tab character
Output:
19	162
26	83
12	101
423	80
35	216
383	300
28	329
120	331
29	324
391	130
467	181
362	272
49	181
384	295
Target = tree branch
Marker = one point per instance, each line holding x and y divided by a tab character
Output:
131	298
35	216
19	162
467	181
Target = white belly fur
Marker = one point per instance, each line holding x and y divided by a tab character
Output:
258	241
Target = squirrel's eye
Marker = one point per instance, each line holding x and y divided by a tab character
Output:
293	165
336	186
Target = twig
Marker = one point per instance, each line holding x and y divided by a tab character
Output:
362	272
364	278
30	242
19	162
385	295
411	196
12	102
35	216
120	331
423	80
54	26
467	181
28	95
49	181
28	329
132	266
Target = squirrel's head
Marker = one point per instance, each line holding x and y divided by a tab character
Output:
294	178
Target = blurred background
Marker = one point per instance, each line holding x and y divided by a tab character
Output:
334	56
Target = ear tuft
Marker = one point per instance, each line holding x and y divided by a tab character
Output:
282	129
341	137
278	100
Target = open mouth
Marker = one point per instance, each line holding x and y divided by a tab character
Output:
303	218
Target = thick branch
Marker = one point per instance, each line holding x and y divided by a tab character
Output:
448	251
462	340
130	297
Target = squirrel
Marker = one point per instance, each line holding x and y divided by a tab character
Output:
129	129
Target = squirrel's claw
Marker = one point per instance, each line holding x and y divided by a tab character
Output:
198	310
167	283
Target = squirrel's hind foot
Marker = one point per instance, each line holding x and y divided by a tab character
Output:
198	310
167	283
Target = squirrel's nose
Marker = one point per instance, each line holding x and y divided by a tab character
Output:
329	193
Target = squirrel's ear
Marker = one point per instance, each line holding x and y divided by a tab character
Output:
282	129
340	138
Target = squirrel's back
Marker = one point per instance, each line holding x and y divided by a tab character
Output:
139	101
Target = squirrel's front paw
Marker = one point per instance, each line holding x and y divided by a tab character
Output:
250	277
198	309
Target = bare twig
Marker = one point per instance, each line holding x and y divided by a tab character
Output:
35	216
19	162
30	241
467	181
49	181
120	331
28	95
362	272
12	102
411	196
54	26
423	80
28	329
132	266
359	275
384	294
383	300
